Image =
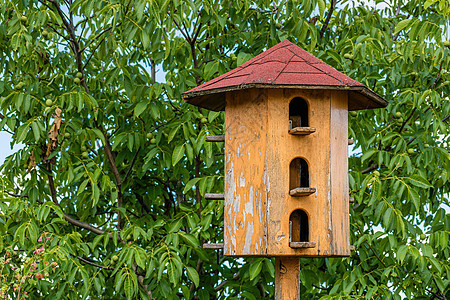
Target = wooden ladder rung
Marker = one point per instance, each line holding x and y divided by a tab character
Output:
298	245
351	142
302	130
212	196
351	200
297	192
213	246
215	138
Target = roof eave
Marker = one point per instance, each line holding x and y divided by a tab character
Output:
214	99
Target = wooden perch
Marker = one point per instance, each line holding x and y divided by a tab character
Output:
215	138
212	196
352	248
297	245
350	142
302	130
213	246
351	200
297	192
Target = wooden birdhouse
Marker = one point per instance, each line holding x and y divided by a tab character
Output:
286	161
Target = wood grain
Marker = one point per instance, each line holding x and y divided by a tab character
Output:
245	173
302	244
302	130
215	138
258	154
287	278
213	246
212	196
298	192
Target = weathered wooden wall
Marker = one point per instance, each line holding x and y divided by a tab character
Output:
340	235
258	152
246	186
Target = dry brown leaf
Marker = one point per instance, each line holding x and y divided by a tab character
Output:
54	132
32	163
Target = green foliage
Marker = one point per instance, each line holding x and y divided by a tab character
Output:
114	164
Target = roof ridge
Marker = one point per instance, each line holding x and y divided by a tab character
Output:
297	55
285	66
246	64
319	62
323	72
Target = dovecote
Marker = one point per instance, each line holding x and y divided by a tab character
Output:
286	141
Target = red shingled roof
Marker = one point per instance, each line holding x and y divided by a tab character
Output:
285	65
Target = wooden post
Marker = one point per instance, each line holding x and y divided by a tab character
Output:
287	278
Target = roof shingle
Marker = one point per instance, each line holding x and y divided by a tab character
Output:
283	65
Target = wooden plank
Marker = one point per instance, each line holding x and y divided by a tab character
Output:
211	196
339	229
350	142
215	138
245	173
298	192
351	199
297	245
302	130
213	246
282	149
287	278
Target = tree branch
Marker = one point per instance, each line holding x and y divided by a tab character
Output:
141	282
73	39
328	18
179	28
86	261
68	218
93	52
370	246
371	168
438	74
133	161
153	69
112	163
223	283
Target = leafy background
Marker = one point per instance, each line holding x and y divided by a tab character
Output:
105	197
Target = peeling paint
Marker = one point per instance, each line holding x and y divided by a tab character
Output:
281	237
242	183
248	207
248	239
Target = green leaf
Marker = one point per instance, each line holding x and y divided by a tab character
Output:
255	268
140	108
368	154
190	239
419	181
178	154
428	3
242	58
401	253
100	135
86	281
402	25
36	131
321	4
414	197
191	184
193	275
129	287
172	133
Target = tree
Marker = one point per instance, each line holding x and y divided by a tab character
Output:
105	199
